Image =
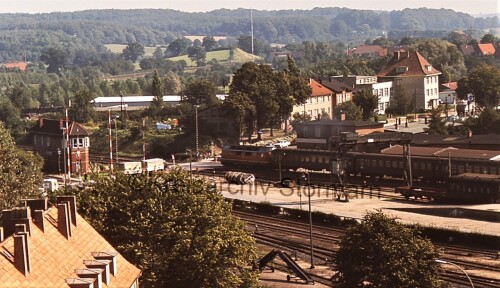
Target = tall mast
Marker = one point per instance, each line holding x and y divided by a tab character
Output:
251	28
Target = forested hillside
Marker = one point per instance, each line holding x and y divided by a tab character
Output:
24	36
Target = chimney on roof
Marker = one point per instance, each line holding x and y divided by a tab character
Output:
39	219
16	215
92	274
113	265
41	121
80	283
36	204
63	221
22	260
100	264
72	205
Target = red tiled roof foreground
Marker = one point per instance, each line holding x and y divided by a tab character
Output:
55	258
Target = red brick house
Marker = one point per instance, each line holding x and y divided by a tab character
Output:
56	247
50	141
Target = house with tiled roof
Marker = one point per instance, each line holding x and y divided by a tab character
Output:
319	102
64	145
21	65
341	91
467	49
381	89
370	51
43	246
415	77
486	49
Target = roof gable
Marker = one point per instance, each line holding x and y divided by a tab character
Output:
56	127
336	86
370	49
318	89
486	49
408	64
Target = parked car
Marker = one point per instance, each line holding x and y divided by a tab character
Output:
282	144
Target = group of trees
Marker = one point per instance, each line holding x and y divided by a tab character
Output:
260	97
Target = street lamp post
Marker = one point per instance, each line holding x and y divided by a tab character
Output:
59	159
64	154
190	164
196	116
310	217
455	265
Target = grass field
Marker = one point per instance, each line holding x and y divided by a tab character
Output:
222	56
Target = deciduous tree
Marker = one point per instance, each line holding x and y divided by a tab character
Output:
367	101
177	229
133	51
20	174
483	82
349	109
381	253
82	109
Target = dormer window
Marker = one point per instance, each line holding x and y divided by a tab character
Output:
428	67
401	69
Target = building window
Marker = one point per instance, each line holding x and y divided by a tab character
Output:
35	140
77	142
48	141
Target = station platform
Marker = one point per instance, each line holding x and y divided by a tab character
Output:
481	218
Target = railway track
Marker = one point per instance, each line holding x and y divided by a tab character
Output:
293	237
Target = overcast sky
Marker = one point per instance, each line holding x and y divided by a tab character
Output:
43	6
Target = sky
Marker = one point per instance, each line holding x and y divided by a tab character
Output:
472	7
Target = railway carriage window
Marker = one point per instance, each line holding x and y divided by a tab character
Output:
415	165
380	163
468	168
453	169
429	166
238	152
460	169
313	159
374	163
367	163
388	164
476	169
422	166
394	164
320	159
248	153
